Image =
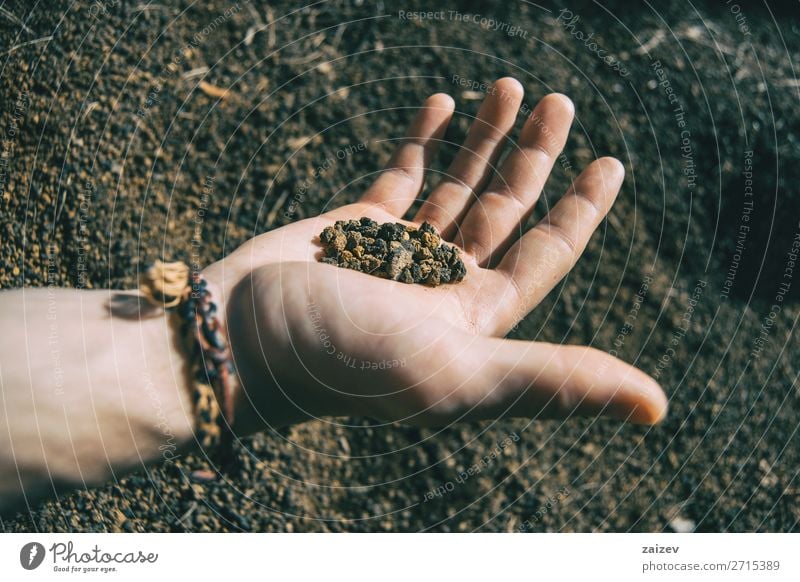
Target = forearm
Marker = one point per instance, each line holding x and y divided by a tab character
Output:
85	396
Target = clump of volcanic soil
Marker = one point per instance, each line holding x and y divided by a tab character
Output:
392	251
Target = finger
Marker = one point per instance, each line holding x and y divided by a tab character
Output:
473	165
401	181
553	381
493	222
547	252
511	378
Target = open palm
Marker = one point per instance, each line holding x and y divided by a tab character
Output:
312	339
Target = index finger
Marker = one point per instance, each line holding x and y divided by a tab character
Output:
401	181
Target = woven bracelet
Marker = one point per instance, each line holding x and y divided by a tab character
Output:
172	287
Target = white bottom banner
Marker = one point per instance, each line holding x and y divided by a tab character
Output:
401	557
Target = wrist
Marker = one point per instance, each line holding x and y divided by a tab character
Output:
197	301
225	280
221	278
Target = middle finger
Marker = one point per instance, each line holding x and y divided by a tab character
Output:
493	222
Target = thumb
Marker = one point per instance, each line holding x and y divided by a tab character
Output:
514	378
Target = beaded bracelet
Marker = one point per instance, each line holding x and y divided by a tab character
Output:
172	287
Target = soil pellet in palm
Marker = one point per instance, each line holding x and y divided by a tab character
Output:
392	251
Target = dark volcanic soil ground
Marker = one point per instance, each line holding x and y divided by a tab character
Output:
112	128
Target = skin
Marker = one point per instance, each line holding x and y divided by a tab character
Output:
312	340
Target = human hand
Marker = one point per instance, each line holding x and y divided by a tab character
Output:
311	339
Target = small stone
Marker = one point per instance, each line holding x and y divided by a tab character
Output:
398	260
682	525
203	475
